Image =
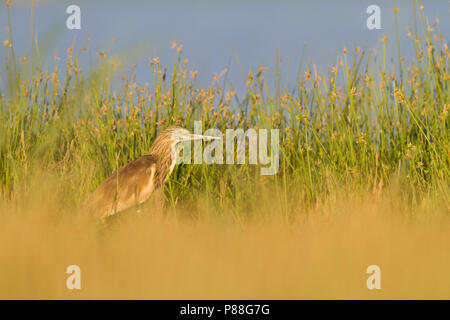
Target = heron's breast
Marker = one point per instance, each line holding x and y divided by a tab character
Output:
147	188
172	166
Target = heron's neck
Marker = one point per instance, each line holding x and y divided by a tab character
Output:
166	161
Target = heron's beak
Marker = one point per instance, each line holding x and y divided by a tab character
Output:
193	136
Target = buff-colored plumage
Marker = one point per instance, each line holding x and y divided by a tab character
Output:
134	183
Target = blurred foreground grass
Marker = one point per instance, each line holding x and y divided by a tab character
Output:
322	253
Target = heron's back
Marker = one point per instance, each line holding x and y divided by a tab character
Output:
130	185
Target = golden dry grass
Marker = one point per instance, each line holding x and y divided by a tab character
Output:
167	254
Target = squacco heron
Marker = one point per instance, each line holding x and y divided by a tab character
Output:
134	183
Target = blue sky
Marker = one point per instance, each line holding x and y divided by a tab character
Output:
214	33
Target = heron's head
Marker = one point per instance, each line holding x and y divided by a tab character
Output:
167	139
164	149
179	134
